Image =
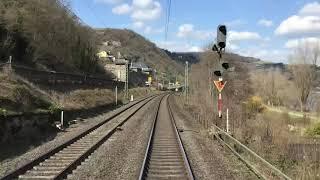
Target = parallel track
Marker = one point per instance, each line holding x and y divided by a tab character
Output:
165	157
60	161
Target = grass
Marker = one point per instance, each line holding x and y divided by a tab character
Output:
16	96
296	114
313	130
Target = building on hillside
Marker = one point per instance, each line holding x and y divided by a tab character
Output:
118	69
140	67
102	54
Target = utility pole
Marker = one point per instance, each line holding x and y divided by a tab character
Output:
126	88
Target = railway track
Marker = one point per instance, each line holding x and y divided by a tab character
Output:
165	157
59	162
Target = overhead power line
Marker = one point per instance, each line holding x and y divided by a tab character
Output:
94	14
168	14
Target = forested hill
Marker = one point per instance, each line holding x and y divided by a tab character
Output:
136	48
46	34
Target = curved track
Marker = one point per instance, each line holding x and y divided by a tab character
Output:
60	161
165	157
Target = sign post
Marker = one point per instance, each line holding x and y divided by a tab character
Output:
220	105
227	120
220	85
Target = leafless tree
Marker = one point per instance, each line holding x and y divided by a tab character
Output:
303	68
272	85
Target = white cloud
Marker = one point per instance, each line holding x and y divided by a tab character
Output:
296	25
311	9
188	31
293	43
144	12
122	9
231	46
306	22
235	23
243	36
265	22
264	54
140	11
108	1
138	24
179	46
195	49
151	30
185	30
142	4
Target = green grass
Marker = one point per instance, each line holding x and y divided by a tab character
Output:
313	130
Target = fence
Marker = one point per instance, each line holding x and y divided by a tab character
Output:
309	152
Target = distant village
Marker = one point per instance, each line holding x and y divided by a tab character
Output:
117	65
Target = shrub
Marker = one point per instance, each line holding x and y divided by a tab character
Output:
314	130
254	105
3	111
54	109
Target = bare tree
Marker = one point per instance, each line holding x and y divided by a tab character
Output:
271	85
303	68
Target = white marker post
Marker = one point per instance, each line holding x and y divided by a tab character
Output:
118	77
61	119
116	95
227	120
220	105
10	63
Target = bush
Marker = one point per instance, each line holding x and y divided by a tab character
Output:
54	109
254	105
314	131
3	111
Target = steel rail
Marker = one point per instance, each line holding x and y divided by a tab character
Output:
184	154
142	171
149	149
28	166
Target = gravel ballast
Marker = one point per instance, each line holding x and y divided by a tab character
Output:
121	156
80	126
208	159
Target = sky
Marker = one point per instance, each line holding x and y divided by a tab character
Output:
265	29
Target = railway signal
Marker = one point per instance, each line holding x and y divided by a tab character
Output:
221	37
219	47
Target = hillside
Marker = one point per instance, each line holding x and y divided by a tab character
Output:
182	57
48	38
136	48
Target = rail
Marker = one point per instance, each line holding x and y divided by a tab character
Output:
73	143
266	163
165	156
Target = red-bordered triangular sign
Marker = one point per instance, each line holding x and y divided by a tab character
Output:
220	85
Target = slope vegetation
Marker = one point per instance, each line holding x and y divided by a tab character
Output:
136	48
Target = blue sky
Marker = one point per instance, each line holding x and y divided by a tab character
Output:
266	29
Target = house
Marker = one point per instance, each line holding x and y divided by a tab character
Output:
102	54
140	67
118	69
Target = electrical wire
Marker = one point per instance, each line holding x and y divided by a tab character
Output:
94	14
167	20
